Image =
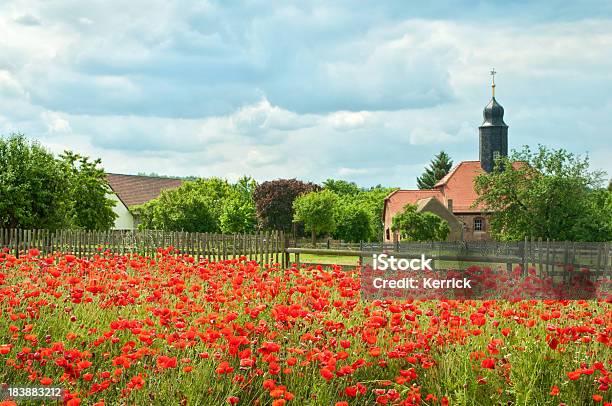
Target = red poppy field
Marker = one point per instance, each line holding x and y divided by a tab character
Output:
134	330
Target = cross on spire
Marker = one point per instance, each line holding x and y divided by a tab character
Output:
492	73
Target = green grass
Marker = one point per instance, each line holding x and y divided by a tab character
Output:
326	259
353	260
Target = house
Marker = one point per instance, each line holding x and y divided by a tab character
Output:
130	191
454	194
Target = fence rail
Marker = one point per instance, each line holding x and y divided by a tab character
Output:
264	247
547	257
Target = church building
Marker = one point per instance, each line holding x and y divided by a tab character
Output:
452	198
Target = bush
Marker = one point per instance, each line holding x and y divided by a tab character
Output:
195	206
413	225
353	222
317	211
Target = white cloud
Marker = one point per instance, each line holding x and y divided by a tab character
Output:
301	89
422	136
27	19
55	123
347	120
262	116
351	172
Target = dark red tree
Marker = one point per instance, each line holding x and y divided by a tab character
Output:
274	201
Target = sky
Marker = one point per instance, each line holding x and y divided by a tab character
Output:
364	91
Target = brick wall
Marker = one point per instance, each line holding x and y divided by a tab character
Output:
469	234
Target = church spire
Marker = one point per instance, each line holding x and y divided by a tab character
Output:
493	132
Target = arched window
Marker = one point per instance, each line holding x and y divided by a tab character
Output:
479	224
388	235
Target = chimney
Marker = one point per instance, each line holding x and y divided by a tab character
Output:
449	204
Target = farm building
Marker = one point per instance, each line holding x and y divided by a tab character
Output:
455	194
130	191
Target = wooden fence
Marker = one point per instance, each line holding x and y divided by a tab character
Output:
547	257
264	247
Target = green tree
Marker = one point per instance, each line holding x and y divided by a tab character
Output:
195	206
38	190
353	221
438	168
245	187
359	214
238	217
341	187
596	224
239	212
546	193
413	225
87	187
316	210
373	201
32	186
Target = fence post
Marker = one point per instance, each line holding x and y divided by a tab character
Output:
607	257
565	260
598	269
19	241
285	242
540	255
361	253
396	241
276	246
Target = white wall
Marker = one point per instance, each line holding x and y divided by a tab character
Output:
125	219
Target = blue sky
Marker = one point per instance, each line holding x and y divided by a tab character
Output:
365	91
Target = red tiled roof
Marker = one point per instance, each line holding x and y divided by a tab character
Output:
133	190
396	201
458	185
452	172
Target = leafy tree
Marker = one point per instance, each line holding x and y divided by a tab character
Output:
546	193
596	224
90	208
238	217
245	188
359	210
274	202
373	200
353	221
438	168
413	225
341	187
359	213
38	190
195	206
316	210
32	186
239	212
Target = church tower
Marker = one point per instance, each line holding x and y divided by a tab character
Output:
493	132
